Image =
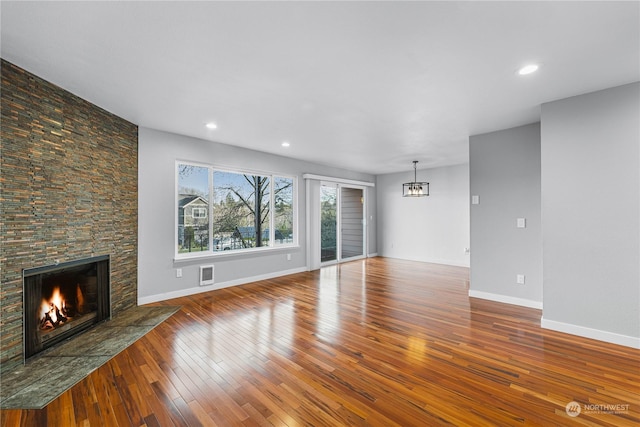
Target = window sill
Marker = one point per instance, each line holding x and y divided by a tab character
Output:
248	253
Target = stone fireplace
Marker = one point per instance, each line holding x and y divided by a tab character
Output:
63	300
69	191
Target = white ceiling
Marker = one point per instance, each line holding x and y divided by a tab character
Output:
368	86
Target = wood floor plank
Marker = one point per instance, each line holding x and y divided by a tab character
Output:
106	395
79	404
376	342
128	409
202	416
140	403
10	417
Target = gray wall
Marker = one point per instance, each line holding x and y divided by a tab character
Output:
158	152
505	175
591	214
429	229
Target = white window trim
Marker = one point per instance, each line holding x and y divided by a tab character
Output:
210	253
338	180
199	209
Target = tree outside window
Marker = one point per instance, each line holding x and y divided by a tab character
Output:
241	210
283	211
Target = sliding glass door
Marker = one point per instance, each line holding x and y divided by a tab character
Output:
342	225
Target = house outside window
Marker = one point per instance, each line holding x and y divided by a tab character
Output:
193	199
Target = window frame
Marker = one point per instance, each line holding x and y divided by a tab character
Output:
210	252
198	209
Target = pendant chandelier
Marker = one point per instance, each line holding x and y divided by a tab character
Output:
415	188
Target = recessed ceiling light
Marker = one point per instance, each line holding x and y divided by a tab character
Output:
285	144
211	125
528	69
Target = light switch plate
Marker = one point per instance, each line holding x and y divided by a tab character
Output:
475	200
521	223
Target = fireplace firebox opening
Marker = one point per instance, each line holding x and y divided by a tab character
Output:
63	300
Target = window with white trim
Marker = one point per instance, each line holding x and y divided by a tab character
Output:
222	210
193	233
198	212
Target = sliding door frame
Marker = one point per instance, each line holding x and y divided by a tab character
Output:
339	222
312	197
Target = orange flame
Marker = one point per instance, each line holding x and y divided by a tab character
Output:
49	307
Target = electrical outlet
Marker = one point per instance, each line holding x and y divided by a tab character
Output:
288	257
178	272
520	279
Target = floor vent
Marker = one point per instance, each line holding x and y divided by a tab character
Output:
206	275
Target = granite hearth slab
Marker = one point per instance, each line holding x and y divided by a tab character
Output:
25	387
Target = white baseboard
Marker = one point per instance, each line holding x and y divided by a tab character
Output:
444	261
441	261
201	289
567	328
595	334
373	255
506	299
450	262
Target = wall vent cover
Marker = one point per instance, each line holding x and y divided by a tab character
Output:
206	275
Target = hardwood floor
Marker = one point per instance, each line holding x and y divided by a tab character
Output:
380	342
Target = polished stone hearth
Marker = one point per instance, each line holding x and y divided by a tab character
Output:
29	386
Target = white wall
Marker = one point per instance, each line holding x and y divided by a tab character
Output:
429	229
591	214
505	175
158	152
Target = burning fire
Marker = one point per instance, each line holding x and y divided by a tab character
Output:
55	311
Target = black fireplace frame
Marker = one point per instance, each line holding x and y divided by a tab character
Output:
33	277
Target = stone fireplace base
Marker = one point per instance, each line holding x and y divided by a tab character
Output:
71	361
